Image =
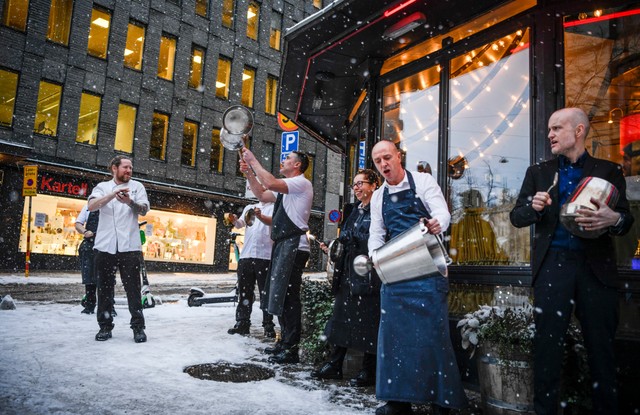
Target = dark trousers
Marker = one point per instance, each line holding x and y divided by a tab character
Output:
90	296
128	263
338	353
250	271
566	281
291	318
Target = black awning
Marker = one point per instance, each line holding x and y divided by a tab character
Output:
329	56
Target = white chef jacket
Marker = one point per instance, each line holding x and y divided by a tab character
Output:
118	229
257	238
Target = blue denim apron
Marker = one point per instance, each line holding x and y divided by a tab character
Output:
416	362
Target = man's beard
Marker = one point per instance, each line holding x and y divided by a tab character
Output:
123	178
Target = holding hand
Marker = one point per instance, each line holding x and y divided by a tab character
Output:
122	195
433	226
601	218
540	201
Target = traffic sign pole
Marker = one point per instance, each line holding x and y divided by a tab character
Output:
29	189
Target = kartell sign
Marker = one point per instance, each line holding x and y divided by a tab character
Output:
63	186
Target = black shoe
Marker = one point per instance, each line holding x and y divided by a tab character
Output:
286	356
364	378
269	333
277	348
139	336
113	313
103	335
241	327
395	408
327	371
87	310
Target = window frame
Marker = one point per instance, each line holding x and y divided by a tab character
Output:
133	132
249	103
192	72
108	29
6	14
97	128
226	88
54	132
138	66
165	138
253	27
172	59
13	98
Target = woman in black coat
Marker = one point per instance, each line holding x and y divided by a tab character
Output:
356	311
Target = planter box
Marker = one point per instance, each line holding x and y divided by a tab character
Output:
506	383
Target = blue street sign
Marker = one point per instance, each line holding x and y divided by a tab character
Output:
362	154
289	143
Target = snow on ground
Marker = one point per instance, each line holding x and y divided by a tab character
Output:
51	364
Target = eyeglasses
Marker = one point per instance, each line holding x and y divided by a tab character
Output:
359	184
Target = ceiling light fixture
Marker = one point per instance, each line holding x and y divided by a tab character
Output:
404	25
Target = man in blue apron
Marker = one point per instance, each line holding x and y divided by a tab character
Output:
293	197
416	361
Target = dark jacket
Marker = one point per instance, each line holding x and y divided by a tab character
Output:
356	311
600	251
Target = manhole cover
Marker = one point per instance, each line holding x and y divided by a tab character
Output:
229	372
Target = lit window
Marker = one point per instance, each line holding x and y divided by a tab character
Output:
125	128
228	8
99	33
8	88
48	109
276	30
271	95
317	4
159	130
60	21
197	62
134	47
253	18
217	152
201	7
248	82
88	119
15	14
309	172
223	78
189	140
166	60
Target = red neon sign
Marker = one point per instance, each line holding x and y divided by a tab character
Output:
399	7
601	18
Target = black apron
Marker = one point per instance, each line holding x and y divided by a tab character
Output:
85	251
416	361
286	237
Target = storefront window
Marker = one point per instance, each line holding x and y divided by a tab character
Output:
276	30
15	14
166	60
170	237
8	88
197	61
602	76
489	114
248	84
253	18
228	7
410	117
201	7
88	119
216	161
60	21
189	140
48	109
99	33
126	127
271	95
223	77
159	130
134	47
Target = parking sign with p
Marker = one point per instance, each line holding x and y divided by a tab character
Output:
289	143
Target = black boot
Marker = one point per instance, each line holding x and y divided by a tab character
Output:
139	335
364	378
241	327
269	330
103	335
395	408
277	348
327	371
286	356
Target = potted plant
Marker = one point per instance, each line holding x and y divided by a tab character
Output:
504	338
